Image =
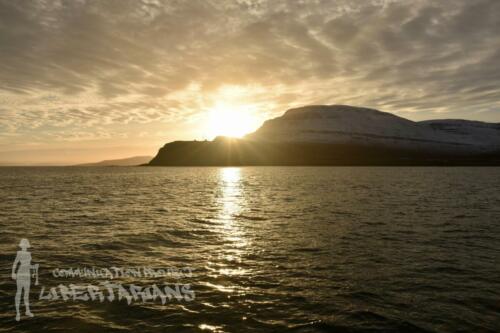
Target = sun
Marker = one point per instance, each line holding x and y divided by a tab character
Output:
231	120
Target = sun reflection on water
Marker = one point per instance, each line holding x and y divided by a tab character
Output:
231	202
211	328
231	193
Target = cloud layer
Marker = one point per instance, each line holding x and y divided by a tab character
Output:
117	66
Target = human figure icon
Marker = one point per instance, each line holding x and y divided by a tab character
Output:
23	277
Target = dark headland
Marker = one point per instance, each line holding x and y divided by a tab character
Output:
344	135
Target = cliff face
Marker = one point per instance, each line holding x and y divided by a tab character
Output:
345	135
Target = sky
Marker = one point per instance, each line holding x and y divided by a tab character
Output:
86	80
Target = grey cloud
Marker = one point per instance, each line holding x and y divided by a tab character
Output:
130	60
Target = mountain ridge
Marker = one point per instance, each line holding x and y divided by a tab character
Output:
349	124
345	135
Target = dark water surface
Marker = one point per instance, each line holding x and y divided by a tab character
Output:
275	249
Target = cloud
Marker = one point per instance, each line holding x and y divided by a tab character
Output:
74	65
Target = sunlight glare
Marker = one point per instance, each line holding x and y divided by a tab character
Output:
231	120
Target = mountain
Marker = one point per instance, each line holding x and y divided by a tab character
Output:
342	124
130	161
345	135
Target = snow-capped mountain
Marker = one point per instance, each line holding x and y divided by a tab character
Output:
342	124
344	135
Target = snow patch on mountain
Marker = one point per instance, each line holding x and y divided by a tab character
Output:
347	124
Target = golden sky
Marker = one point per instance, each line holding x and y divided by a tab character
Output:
89	80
